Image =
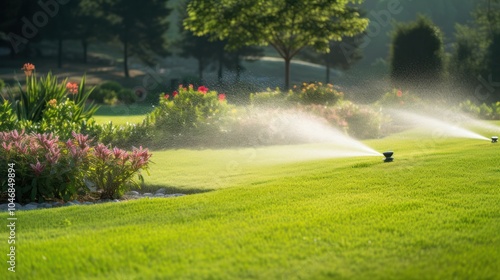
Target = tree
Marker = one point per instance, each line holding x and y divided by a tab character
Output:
417	54
287	25
140	26
474	62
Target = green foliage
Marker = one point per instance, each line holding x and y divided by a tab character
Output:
316	93
47	105
417	54
45	168
483	111
288	26
63	119
399	99
270	98
113	171
111	93
8	119
190	111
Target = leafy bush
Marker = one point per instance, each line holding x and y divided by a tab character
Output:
482	111
399	99
188	112
358	121
417	54
47	105
8	120
270	98
111	93
47	168
63	119
316	93
113	170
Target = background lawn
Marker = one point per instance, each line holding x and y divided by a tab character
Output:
274	213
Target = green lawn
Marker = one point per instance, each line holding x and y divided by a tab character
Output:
274	213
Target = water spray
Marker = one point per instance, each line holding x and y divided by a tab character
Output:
388	156
494	139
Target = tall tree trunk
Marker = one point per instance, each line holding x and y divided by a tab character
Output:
221	62
287	73
327	65
85	47
125	58
59	51
200	69
238	67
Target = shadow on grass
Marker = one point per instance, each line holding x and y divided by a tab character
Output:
170	189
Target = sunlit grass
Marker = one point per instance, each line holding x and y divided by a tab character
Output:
431	214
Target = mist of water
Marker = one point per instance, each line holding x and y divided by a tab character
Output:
434	125
304	128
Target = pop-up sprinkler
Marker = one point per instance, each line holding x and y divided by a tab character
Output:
388	156
494	139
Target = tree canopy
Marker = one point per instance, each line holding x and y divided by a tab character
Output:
287	25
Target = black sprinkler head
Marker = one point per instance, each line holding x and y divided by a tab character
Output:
494	139
388	156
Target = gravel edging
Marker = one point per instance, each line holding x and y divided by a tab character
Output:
128	196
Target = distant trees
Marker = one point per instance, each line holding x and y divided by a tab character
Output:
288	26
417	54
475	59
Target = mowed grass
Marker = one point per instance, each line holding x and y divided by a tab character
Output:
275	213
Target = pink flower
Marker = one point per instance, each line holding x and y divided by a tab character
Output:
37	168
190	86
72	87
102	152
166	96
399	93
28	68
202	89
222	97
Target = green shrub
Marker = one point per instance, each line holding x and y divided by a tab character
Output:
417	54
64	118
8	120
270	98
316	93
399	99
34	109
47	168
190	112
483	111
111	93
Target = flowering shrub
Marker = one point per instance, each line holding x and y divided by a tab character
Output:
45	105
399	99
113	170
45	166
316	93
48	168
358	121
189	111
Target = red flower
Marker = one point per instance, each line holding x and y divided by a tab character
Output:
175	93
222	97
203	89
399	93
28	68
72	87
166	96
